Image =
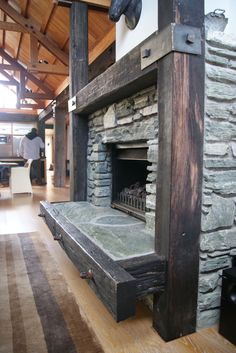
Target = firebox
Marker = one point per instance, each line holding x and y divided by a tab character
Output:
129	178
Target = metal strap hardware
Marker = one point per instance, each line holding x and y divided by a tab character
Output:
175	37
87	275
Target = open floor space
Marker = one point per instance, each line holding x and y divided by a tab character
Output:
19	214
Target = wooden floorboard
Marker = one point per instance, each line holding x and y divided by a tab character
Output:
135	335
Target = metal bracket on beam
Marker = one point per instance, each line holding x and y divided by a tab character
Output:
72	104
175	37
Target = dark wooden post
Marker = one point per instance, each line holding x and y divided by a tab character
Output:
181	112
60	148
78	79
41	170
41	130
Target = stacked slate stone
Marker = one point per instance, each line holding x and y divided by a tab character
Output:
130	120
218	238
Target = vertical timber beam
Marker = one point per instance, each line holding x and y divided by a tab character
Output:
181	113
78	79
60	148
41	167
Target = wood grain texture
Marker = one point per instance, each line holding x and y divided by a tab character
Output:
113	285
60	148
78	79
135	335
181	111
119	81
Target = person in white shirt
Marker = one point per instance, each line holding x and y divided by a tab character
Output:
30	146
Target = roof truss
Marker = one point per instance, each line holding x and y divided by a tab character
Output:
32	28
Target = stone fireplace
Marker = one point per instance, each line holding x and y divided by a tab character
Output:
122	152
129	178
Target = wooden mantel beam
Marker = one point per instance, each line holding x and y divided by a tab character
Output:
33	29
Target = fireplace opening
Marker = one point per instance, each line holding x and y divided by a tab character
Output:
129	178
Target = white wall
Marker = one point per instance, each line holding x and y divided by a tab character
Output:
127	39
230	12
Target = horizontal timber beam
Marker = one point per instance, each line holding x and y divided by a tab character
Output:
19	67
122	79
17	117
49	69
102	62
32	106
33	29
13	27
33	95
9	67
8	83
97	3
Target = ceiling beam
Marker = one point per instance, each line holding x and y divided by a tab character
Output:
8	67
24	10
8	83
13	27
9	77
31	77
97	3
32	106
49	69
32	28
32	95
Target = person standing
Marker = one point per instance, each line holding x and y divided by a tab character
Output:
29	148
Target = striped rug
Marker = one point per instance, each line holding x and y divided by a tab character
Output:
37	312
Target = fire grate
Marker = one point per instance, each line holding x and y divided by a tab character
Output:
132	200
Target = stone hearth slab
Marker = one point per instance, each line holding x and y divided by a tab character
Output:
119	235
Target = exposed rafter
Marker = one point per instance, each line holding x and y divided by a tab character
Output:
8	82
25	73
24	13
33	29
11	26
49	69
8	67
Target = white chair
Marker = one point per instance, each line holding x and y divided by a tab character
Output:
20	179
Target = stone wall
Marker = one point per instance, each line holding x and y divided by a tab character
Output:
218	238
132	119
135	118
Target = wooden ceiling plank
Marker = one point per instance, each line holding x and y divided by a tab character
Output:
32	28
102	45
54	61
13	27
46	19
24	13
31	77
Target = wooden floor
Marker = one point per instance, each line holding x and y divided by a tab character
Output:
136	335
